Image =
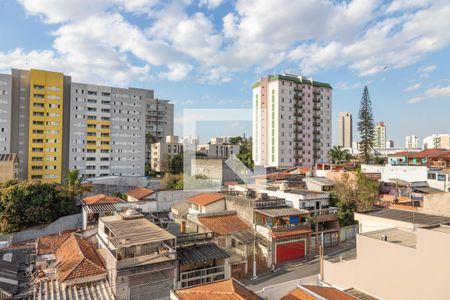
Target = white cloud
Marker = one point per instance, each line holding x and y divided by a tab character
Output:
434	93
398	5
413	87
425	71
211	4
176	72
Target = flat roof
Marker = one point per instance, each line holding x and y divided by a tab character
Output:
281	212
406	216
444	228
134	231
395	236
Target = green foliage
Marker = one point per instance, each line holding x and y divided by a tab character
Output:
25	204
338	155
172	182
176	164
354	194
378	160
245	150
366	126
72	185
119	195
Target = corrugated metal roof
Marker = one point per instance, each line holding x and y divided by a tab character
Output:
200	253
100	208
52	289
407	216
282	212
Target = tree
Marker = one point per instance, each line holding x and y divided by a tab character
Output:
245	150
366	126
338	155
25	204
354	193
176	164
72	185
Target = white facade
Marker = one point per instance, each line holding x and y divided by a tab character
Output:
441	141
411	142
379	140
291	121
162	152
406	173
107	131
218	147
345	127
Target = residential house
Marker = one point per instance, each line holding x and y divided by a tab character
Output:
314	292
396	263
140	194
206	203
98	206
411	158
318	184
46	247
9	167
220	290
140	256
78	271
200	260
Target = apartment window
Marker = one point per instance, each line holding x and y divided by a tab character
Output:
38	122
92	93
106	102
92	109
106	94
90	158
36	177
105	118
38	87
41	105
105	126
38	114
91	126
38	96
91	134
38	141
91	101
91	117
37	158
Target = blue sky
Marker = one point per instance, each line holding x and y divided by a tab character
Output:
207	53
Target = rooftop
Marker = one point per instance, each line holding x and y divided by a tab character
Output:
406	216
139	192
102	199
323	181
135	230
224	225
48	244
77	258
228	289
282	212
444	228
53	289
13	264
200	253
395	236
310	292
205	198
422	154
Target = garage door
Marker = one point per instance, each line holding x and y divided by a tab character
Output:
290	251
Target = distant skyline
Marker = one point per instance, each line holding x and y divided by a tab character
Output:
207	53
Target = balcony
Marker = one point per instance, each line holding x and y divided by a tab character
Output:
200	276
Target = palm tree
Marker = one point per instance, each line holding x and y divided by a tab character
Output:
338	155
72	185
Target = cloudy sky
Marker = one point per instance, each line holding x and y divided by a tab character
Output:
207	53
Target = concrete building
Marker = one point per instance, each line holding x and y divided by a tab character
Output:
389	144
164	151
411	142
345	130
383	265
379	140
218	147
159	118
107	130
9	167
53	125
5	113
291	121
140	256
441	141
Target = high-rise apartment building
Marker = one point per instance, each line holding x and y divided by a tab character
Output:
345	130
291	121
53	124
440	141
411	142
379	140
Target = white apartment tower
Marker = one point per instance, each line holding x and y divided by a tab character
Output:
5	113
411	142
438	141
345	127
291	121
379	140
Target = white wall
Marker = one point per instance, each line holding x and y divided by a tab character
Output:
406	173
371	223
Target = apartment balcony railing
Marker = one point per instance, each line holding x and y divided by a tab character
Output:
195	277
194	238
316	100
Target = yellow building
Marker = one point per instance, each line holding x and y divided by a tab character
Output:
9	164
45	126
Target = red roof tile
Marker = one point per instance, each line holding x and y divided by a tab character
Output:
102	199
139	192
77	258
228	289
223	225
48	244
205	198
421	154
310	291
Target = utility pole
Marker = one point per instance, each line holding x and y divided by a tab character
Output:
321	250
254	255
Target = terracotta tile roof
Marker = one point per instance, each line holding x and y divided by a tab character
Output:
228	289
205	198
309	292
77	258
139	192
223	225
48	244
281	175
421	154
291	232
102	199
